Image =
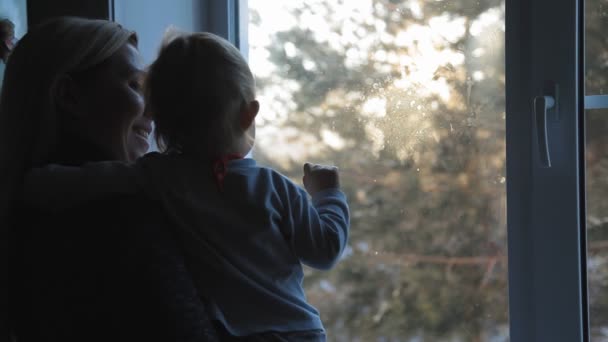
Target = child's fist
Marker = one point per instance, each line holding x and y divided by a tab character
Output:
320	177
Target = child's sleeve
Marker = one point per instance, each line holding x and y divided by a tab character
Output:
319	229
56	187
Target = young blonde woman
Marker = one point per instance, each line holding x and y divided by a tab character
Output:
107	270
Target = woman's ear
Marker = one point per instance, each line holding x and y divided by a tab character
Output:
249	113
66	95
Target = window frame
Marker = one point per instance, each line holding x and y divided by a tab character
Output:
228	19
546	205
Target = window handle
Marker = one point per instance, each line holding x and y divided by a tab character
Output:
541	105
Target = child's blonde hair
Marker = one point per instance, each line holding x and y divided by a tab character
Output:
195	91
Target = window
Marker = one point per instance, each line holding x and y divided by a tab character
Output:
417	101
408	99
150	21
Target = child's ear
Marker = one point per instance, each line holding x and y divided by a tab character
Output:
66	95
249	113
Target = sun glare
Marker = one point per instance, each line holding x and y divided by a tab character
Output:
424	57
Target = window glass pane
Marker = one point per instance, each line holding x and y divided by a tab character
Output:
150	19
596	54
407	97
13	24
597	221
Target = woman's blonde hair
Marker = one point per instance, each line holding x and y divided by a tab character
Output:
195	91
29	115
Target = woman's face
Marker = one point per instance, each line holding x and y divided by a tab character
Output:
110	107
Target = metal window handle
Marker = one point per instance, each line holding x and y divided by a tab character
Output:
541	105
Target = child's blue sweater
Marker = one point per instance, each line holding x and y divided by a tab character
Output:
247	242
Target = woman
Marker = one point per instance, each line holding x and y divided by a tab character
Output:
108	270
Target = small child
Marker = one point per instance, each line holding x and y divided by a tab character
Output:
246	229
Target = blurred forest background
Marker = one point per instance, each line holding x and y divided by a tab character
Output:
407	97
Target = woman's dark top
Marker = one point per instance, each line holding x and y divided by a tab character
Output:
108	270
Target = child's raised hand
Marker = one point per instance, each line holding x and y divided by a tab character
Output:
320	177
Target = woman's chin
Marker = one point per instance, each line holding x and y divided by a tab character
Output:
138	147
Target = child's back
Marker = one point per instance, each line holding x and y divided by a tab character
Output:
247	229
247	241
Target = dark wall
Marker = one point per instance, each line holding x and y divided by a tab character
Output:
41	10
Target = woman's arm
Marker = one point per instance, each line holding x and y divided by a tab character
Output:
56	187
